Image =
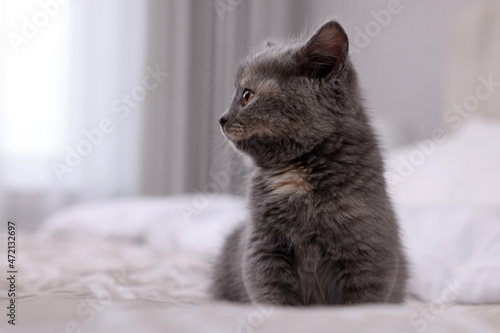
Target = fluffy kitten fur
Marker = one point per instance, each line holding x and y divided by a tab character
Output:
321	229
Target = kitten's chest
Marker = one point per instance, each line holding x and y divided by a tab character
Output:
281	197
284	199
282	185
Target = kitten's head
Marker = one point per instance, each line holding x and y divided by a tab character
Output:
290	97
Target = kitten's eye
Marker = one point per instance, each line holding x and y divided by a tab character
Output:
247	96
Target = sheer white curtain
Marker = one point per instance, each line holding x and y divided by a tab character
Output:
71	101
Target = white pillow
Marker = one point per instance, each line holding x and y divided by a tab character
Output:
465	167
453	252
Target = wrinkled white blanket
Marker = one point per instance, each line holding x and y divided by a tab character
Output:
449	247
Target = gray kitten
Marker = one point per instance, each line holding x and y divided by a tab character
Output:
321	229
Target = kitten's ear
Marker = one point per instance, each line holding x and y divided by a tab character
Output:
325	52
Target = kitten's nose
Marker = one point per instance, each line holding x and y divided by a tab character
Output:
223	120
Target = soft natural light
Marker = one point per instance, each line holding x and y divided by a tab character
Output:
33	115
